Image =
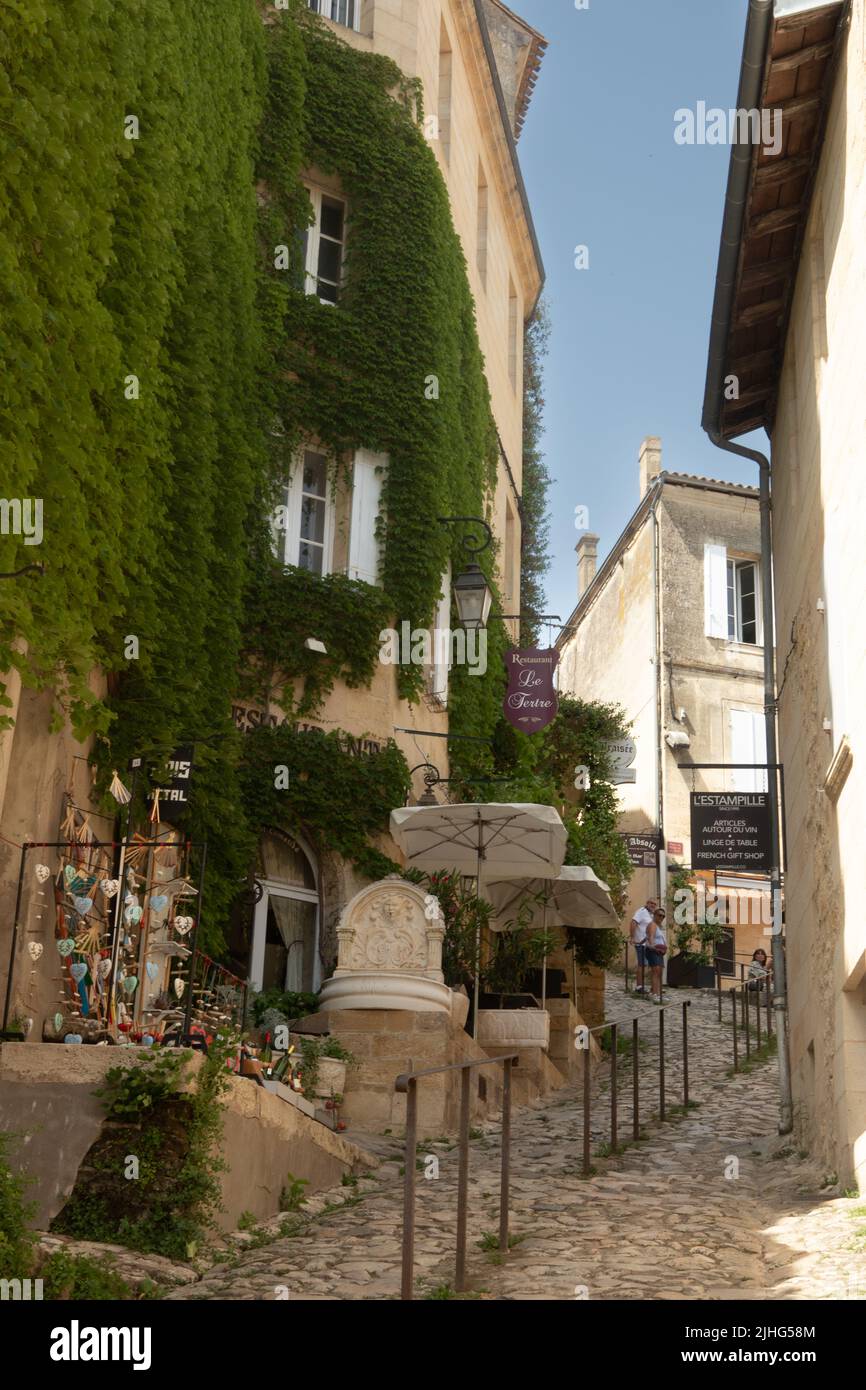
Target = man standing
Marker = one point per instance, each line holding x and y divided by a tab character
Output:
637	936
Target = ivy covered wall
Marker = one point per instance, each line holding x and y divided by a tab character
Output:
164	369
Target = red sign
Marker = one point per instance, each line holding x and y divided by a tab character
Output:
531	702
675	847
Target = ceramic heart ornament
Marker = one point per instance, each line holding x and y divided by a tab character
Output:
130	984
159	903
43	873
152	969
35	948
78	971
58	1022
184	924
83	905
132	915
73	1038
110	886
179	986
104	967
69	872
66	946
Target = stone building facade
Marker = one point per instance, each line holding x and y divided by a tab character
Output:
800	281
476	63
667	629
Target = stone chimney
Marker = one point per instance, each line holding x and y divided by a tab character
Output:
587	562
650	462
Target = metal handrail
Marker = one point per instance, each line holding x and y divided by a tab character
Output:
407	1083
614	1116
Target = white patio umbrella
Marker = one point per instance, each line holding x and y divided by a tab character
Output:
577	898
486	840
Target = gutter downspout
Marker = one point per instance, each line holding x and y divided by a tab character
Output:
660	797
758	34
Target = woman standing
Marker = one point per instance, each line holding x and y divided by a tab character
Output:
656	949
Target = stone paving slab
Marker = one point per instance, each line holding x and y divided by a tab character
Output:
712	1205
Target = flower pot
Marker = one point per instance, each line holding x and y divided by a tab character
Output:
331	1079
513	1028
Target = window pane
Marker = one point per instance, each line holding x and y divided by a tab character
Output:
332	219
315	474
311	557
732	601
330	257
329	293
313	520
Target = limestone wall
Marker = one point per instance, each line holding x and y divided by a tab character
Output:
819	498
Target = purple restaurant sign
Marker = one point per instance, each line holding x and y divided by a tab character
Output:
531	701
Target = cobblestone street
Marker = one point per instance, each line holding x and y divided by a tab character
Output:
712	1205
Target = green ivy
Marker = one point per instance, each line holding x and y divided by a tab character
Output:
291	605
336	800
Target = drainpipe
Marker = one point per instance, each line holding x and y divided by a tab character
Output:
759	28
660	797
780	981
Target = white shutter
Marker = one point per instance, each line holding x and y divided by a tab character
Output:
364	546
441	648
748	745
715	591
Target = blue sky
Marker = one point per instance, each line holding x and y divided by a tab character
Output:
629	345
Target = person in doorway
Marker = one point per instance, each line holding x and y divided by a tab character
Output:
637	935
656	949
759	971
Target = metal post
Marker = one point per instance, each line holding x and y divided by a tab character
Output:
14	938
613	1048
626	968
758	1018
635	1066
769	1011
409	1190
733	994
719	987
661	1064
586	1108
746	1018
506	1157
743	987
686	1053
187	1018
462	1182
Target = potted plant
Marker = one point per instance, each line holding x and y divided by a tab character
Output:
517	952
324	1066
692	963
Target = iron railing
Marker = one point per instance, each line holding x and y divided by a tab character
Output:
613	1029
407	1083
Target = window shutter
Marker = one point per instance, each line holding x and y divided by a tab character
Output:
441	649
748	745
715	591
364	545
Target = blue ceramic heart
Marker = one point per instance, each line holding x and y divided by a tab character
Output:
152	970
73	1038
147	1040
83	905
78	971
132	914
158	903
66	946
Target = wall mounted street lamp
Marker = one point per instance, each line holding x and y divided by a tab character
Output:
472	593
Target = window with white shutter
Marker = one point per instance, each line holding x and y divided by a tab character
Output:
365	548
303	525
442	642
715	591
345	12
748	745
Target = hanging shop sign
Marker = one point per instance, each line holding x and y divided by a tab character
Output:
174	798
643	850
531	701
622	753
730	830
